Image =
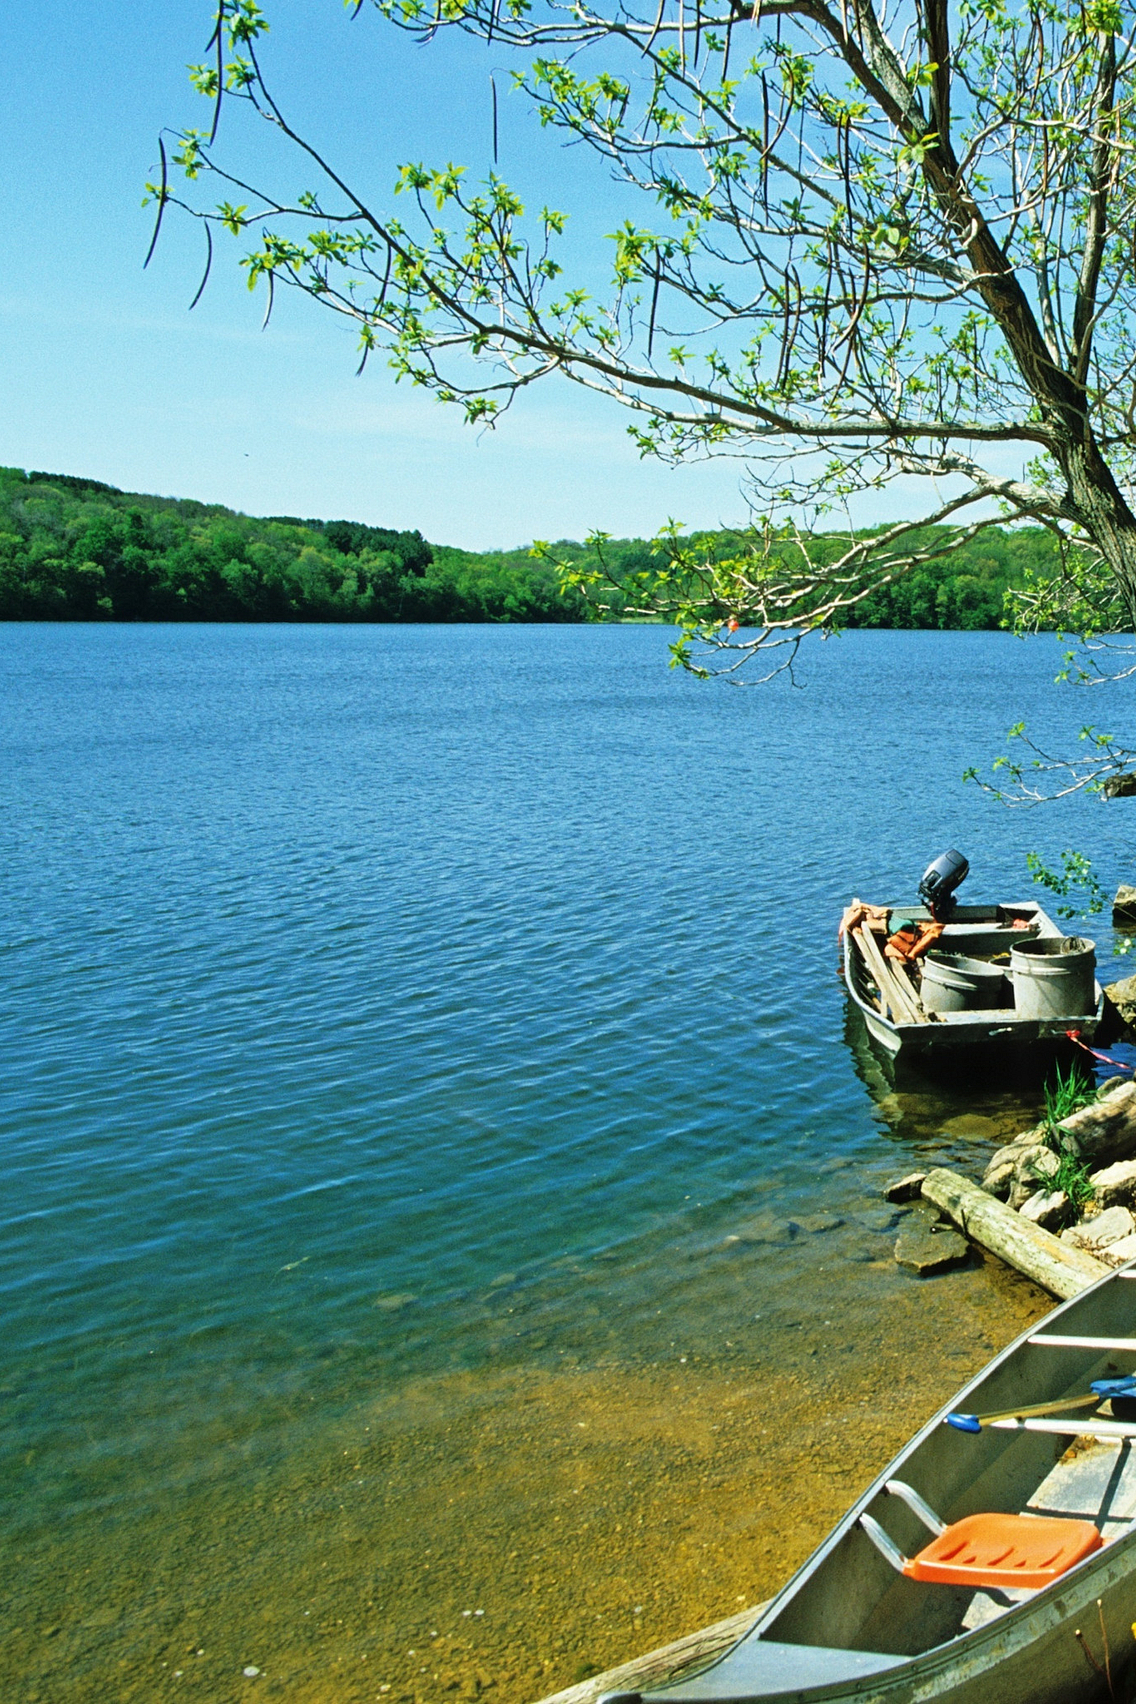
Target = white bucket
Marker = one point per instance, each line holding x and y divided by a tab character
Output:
1054	977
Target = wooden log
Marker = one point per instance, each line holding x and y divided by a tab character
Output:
1058	1267
667	1663
1105	1130
899	998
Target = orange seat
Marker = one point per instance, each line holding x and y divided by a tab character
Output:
1029	1551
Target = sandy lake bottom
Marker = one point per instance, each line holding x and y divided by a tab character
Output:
502	1533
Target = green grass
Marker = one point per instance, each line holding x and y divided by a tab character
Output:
1063	1096
1066	1095
1072	1176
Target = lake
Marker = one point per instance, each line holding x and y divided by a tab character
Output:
443	1247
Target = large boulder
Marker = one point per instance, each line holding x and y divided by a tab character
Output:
1124	907
1105	1130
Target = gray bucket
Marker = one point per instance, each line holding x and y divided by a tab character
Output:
954	983
1053	977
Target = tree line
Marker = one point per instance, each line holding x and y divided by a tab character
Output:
74	549
78	550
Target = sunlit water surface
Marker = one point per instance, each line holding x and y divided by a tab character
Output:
408	1030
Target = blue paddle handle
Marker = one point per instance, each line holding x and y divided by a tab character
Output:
1114	1387
964	1422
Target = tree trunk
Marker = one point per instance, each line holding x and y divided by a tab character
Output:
1097	503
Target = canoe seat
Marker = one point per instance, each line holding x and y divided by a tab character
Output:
1005	1551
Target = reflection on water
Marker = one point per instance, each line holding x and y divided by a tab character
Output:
435	1031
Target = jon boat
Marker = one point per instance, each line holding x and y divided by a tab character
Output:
1039	1513
984	932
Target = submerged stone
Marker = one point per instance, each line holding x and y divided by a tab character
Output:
972	1127
818	1222
925	1250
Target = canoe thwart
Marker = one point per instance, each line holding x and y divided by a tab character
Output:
1045	1340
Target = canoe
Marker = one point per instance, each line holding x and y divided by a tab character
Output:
850	1627
978	932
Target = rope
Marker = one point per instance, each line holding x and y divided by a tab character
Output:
1106	1059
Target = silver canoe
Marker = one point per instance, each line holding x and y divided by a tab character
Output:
847	1627
980	932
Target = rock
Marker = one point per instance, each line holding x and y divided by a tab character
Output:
1120	1252
1048	1208
862	1251
1120	1006
1108	1227
1104	1131
1003	1163
818	1222
905	1188
1115	1186
1036	1165
998	1178
1107	1087
971	1127
925	1250
1124	907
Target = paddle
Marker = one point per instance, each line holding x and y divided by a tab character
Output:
1099	1390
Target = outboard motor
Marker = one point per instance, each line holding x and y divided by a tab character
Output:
940	879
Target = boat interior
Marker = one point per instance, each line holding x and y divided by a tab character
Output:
985	933
850	1611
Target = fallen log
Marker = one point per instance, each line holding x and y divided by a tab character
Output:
1058	1267
1104	1130
667	1663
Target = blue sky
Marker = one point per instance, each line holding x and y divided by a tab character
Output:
104	372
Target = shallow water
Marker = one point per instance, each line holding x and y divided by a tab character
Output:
437	1030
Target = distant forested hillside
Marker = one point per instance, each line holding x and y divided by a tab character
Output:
76	550
73	549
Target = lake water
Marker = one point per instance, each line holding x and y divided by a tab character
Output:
426	1100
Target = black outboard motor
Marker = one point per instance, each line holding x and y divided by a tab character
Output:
940	879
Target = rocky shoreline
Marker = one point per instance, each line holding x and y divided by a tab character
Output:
1070	1183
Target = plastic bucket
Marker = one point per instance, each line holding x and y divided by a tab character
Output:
1054	977
953	983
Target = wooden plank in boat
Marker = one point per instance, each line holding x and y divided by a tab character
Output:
900	999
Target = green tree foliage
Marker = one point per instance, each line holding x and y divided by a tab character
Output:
74	549
78	550
863	242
